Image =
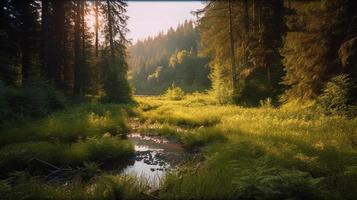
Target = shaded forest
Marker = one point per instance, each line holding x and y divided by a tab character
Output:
52	41
286	50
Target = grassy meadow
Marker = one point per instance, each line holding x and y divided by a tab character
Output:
70	145
291	152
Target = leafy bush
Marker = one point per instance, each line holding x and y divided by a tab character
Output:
175	93
335	96
34	99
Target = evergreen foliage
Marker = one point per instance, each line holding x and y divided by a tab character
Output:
317	30
286	49
335	96
52	40
243	29
156	63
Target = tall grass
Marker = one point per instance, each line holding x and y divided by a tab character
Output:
81	134
79	122
105	186
267	153
88	132
249	153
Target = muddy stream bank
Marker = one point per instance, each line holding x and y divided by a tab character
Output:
154	156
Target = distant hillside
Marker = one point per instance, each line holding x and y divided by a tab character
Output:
171	58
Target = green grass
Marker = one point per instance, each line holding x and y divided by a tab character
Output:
256	153
79	122
88	132
249	153
105	186
16	156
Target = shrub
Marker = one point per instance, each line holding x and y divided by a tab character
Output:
175	93
116	86
335	96
33	99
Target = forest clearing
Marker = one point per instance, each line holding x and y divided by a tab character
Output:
264	152
234	99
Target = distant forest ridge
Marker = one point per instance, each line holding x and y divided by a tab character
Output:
169	58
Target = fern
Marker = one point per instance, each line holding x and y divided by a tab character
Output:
259	180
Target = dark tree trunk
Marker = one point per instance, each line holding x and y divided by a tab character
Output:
66	64
77	54
83	37
59	22
111	41
246	16
45	38
246	32
25	42
2	15
268	75
231	40
96	27
254	7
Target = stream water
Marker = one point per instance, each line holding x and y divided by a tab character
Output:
154	155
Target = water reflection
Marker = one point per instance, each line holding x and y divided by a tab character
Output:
153	156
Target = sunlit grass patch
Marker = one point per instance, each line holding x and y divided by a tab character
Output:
87	120
268	153
189	137
158	129
202	137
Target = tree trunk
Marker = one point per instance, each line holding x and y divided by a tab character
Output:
2	15
111	41
68	67
83	30
25	42
77	54
231	40
268	75
246	32
96	27
45	38
253	15
59	22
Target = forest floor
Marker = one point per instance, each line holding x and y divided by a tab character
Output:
247	153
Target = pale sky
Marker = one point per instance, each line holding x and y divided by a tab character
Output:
150	18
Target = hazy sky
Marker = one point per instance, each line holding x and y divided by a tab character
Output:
150	18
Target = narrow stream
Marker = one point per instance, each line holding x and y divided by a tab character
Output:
154	155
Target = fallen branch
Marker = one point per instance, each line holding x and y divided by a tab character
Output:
44	162
149	195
